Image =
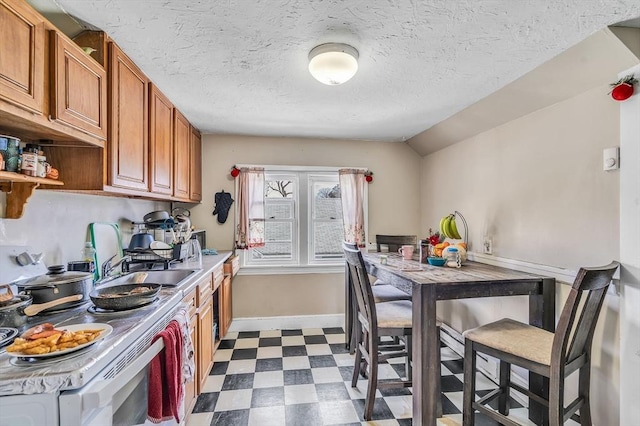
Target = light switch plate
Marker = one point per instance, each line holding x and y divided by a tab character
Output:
611	158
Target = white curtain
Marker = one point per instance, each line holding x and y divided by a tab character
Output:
250	231
352	185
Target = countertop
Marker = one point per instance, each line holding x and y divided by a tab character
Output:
72	372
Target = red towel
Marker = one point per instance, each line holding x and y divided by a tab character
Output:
165	376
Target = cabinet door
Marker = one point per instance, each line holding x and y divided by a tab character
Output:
129	114
182	158
205	339
195	180
79	95
226	312
160	142
22	58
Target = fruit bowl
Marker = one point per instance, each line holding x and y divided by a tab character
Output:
436	261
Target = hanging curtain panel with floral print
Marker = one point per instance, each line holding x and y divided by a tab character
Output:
250	231
352	186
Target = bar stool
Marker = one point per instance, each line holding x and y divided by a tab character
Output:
552	355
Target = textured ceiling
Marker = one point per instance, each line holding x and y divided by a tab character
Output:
240	66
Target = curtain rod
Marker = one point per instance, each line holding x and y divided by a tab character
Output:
307	168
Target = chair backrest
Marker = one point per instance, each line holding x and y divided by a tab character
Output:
394	242
580	313
361	286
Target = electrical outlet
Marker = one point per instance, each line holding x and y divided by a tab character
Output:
487	246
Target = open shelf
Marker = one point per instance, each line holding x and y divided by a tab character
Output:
19	188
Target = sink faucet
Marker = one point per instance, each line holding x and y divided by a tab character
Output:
108	268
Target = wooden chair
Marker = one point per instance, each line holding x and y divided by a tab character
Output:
394	242
552	355
375	320
382	292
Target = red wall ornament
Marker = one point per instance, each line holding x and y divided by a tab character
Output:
623	89
235	172
368	176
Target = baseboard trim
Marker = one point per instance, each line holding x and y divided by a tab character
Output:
287	322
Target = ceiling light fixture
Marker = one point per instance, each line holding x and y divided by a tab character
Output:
333	63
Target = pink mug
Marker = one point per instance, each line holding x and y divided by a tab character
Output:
406	252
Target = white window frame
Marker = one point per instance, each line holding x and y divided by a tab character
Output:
303	265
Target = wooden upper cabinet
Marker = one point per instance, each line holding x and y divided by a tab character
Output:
182	157
22	57
79	88
128	123
195	180
160	142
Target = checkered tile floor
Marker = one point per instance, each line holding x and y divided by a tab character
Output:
303	377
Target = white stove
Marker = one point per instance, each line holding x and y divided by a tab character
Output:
103	384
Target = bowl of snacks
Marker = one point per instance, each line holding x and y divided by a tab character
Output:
436	261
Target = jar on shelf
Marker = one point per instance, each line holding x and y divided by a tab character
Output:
29	163
43	166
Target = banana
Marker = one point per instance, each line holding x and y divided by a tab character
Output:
453	229
443	223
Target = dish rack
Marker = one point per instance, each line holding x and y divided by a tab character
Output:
155	256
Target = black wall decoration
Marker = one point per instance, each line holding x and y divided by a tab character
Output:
223	202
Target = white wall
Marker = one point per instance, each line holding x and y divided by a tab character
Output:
393	209
536	186
56	223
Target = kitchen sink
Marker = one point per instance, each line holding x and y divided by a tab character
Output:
168	278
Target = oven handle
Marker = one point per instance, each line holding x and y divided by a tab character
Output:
104	390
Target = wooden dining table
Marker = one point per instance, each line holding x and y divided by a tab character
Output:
428	284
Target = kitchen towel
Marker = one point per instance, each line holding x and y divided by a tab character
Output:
165	377
188	353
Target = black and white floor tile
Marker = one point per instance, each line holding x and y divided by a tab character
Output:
303	377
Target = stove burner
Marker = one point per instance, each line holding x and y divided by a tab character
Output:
99	311
27	361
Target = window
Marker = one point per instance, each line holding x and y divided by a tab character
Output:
303	221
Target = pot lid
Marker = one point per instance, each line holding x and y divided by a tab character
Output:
57	278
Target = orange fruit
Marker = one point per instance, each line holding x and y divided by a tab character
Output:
463	245
446	244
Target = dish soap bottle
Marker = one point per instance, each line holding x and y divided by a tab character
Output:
88	252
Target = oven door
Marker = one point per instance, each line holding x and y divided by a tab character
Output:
121	400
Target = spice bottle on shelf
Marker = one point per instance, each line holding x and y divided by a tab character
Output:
29	163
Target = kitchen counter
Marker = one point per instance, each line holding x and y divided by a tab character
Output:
130	331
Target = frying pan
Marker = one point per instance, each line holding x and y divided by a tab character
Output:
119	297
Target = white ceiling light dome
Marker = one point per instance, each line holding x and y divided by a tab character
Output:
333	63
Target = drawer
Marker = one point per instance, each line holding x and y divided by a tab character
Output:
232	265
204	290
190	298
218	276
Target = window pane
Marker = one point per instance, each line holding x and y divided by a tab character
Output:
274	188
274	209
278	231
272	251
327	239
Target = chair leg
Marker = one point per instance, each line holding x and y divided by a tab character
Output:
504	380
556	400
373	380
468	416
584	382
438	390
409	348
356	366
